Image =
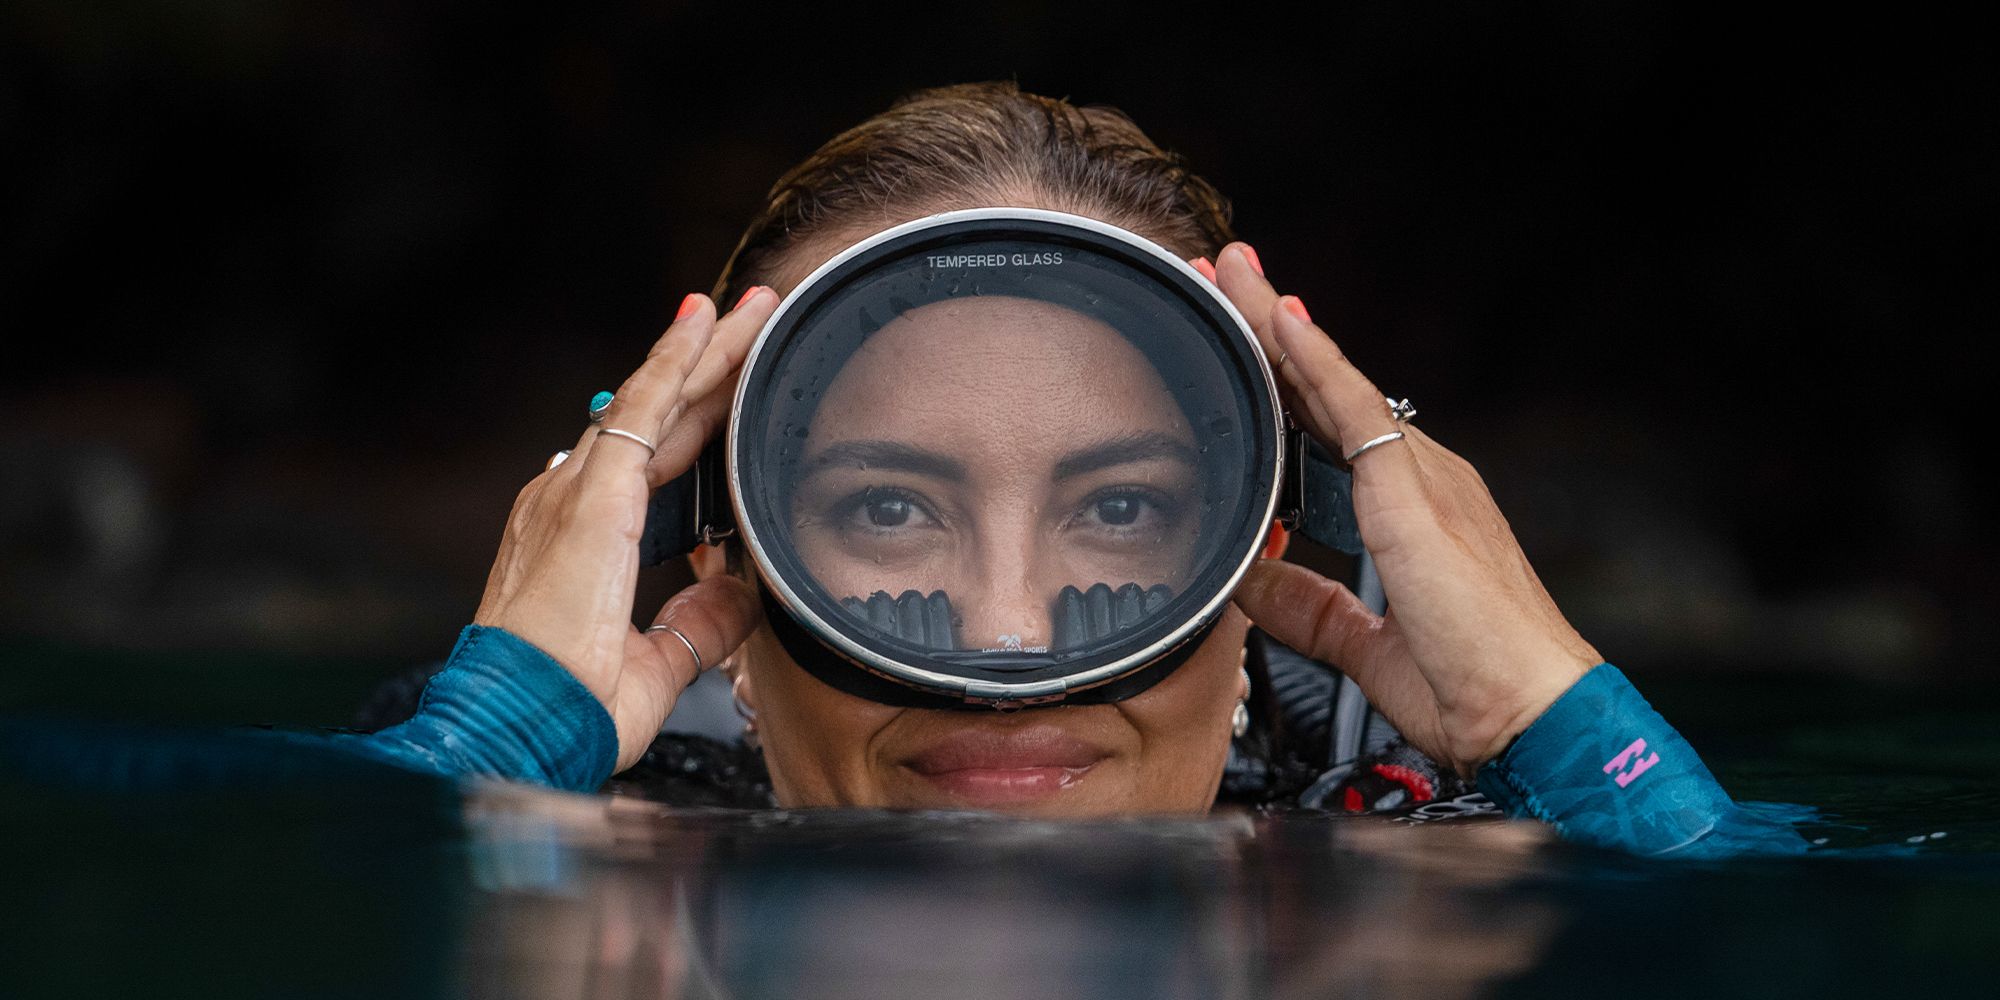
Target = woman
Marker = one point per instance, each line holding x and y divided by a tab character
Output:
1476	667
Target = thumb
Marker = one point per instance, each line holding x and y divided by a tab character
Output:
1311	614
715	615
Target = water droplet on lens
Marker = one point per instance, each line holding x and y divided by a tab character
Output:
798	394
1222	427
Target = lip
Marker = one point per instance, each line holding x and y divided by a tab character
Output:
983	767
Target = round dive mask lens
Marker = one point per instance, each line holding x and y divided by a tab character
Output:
1002	456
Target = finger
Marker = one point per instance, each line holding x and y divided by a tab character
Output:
682	443
734	333
1336	391
715	615
1307	612
579	454
1326	621
650	397
713	376
1241	277
569	467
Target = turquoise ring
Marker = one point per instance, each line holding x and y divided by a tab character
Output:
598	404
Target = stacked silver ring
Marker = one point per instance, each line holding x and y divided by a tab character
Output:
600	404
629	436
1400	410
682	636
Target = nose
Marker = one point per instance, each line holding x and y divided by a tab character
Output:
1007	603
1006	612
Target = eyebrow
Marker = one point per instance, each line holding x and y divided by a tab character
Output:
888	455
1124	450
894	455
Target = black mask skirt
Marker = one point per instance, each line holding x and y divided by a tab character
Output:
1001	458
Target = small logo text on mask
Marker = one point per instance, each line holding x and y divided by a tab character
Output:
1035	259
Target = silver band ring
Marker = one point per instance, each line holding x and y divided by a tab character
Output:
1283	357
629	436
1373	443
682	636
1401	409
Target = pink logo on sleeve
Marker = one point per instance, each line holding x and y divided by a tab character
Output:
1629	754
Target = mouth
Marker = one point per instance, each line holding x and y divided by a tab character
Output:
982	768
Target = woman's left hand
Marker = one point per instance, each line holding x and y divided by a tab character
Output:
1472	649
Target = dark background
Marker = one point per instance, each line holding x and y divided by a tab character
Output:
295	296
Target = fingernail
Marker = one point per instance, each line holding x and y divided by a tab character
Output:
752	290
1207	269
1275	542
1296	308
1250	254
688	306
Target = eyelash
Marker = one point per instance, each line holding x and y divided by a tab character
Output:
847	510
1160	502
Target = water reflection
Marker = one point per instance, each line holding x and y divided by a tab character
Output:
644	901
299	878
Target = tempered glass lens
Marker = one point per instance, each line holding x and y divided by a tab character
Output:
1004	453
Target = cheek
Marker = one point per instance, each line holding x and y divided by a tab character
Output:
816	740
1183	723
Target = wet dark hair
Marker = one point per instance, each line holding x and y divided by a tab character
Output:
975	145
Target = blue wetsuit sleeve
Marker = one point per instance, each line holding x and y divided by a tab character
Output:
500	707
1603	768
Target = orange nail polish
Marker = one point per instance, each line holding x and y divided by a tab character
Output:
1276	541
752	290
688	306
1207	269
1296	308
1250	254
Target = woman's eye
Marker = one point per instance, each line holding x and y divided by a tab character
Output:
888	512
1132	510
1119	510
881	510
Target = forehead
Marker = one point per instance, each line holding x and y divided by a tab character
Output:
1002	326
997	358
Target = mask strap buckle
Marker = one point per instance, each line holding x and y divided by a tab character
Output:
690	510
1317	495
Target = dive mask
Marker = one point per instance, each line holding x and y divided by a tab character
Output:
1002	457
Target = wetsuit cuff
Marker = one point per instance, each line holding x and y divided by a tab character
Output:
1602	767
503	707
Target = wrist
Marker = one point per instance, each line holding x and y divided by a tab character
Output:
1531	702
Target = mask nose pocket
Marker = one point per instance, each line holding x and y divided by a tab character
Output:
1087	616
914	618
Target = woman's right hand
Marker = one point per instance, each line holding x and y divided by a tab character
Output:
568	566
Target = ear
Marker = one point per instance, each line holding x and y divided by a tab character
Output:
1275	543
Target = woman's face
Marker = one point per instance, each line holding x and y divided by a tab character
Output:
998	449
